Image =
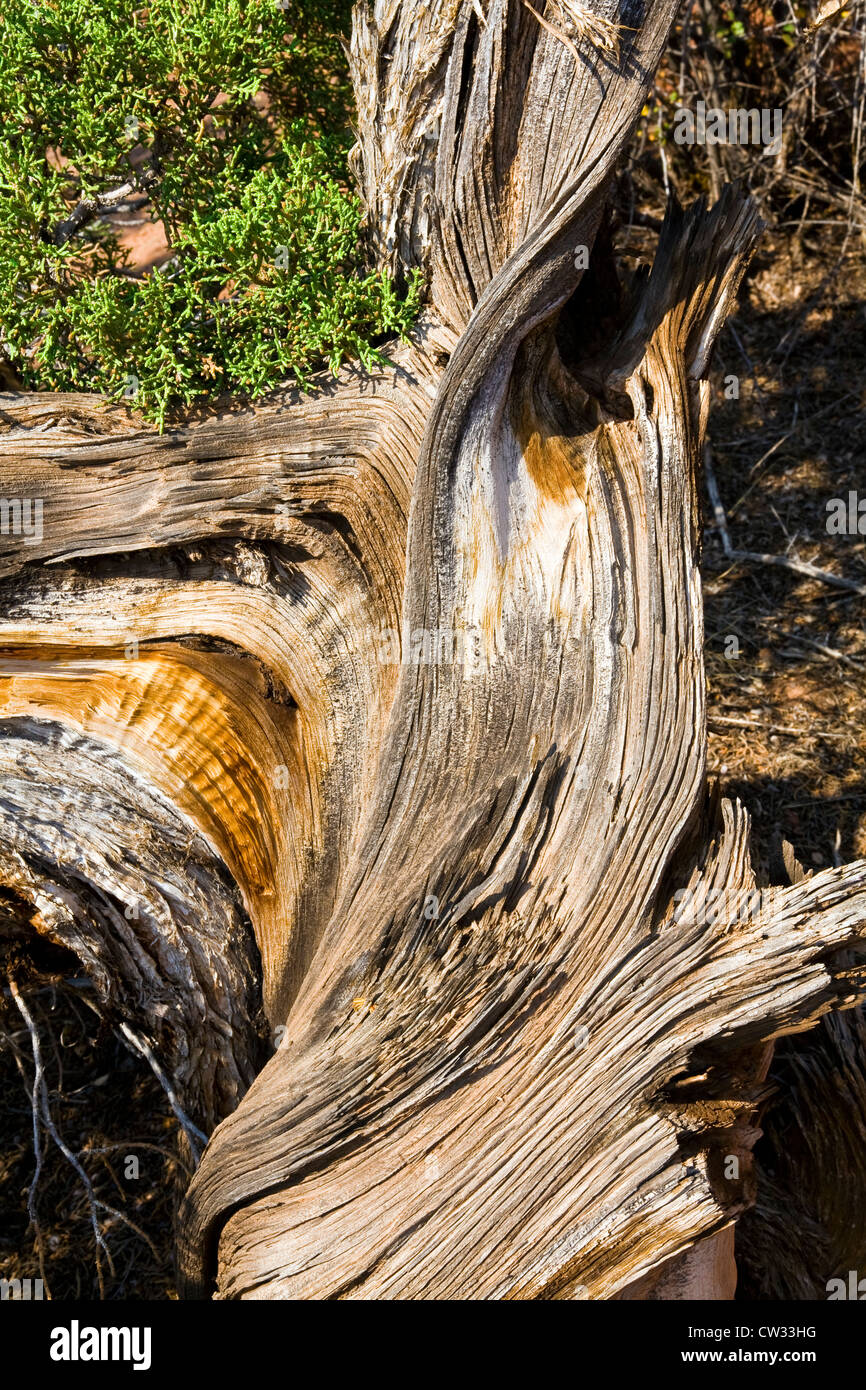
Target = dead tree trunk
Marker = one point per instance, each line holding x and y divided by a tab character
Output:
514	1060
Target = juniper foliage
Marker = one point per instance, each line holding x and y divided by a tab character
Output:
228	120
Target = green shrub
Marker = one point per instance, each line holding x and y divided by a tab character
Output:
232	117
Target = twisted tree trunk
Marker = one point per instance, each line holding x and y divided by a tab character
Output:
397	689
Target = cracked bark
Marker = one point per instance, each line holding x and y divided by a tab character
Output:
509	1065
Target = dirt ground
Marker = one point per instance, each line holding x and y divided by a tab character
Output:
793	442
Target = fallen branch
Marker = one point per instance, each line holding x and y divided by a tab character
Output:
803	567
731	723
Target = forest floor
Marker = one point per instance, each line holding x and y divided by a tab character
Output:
795	679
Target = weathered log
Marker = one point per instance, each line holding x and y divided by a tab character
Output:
511	947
